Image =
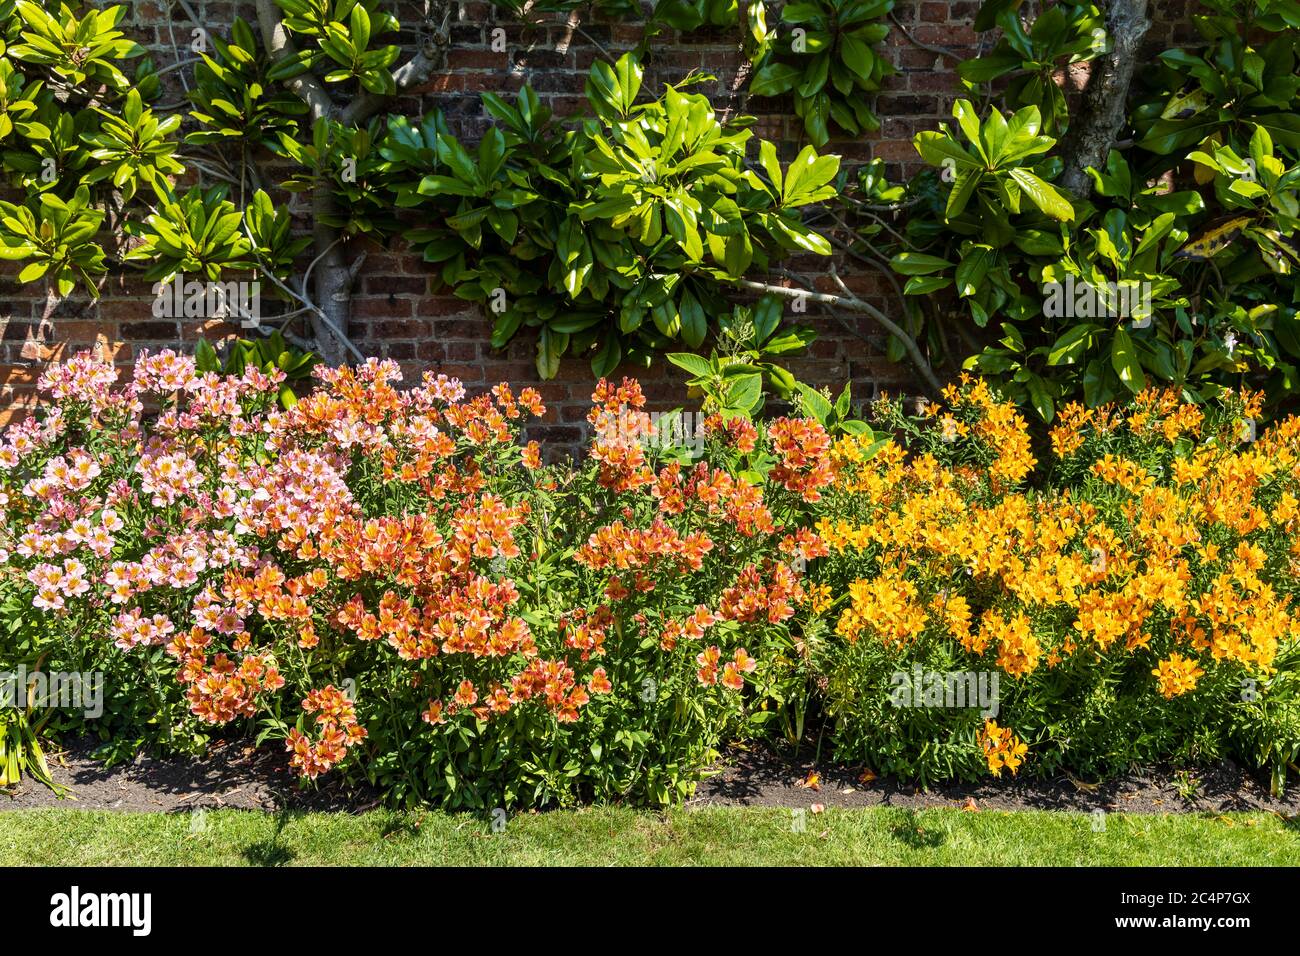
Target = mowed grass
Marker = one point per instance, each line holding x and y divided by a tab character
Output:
615	836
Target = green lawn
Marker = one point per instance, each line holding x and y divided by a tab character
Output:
600	836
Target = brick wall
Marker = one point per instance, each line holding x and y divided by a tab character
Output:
395	312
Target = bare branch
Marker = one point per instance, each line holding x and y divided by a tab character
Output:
868	258
306	276
574	25
179	65
354	270
941	51
320	318
310	307
854	304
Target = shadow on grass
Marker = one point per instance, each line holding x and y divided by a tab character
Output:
402	826
910	833
272	852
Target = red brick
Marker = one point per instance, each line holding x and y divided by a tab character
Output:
382	307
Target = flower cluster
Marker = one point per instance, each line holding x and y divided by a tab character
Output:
803	449
1163	544
408	542
1001	748
336	730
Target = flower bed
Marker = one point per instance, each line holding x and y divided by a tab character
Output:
1135	605
391	583
389	579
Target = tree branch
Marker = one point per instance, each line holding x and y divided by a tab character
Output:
1105	101
941	51
412	73
854	304
279	44
308	306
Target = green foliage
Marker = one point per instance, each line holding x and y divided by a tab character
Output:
681	15
1227	91
614	239
1063	34
612	236
828	62
342	31
1259	189
197	232
234	99
1179	269
21	751
732	378
23	719
609	241
991	168
80	52
17	99
998	195
268	354
837	417
348	161
687	15
270	229
47	140
134	149
79	139
55	239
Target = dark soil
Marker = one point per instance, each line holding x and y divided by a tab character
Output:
763	778
233	775
237	775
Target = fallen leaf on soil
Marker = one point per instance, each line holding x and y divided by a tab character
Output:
812	782
848	790
1080	784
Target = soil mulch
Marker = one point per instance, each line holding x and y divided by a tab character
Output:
233	775
236	775
763	778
